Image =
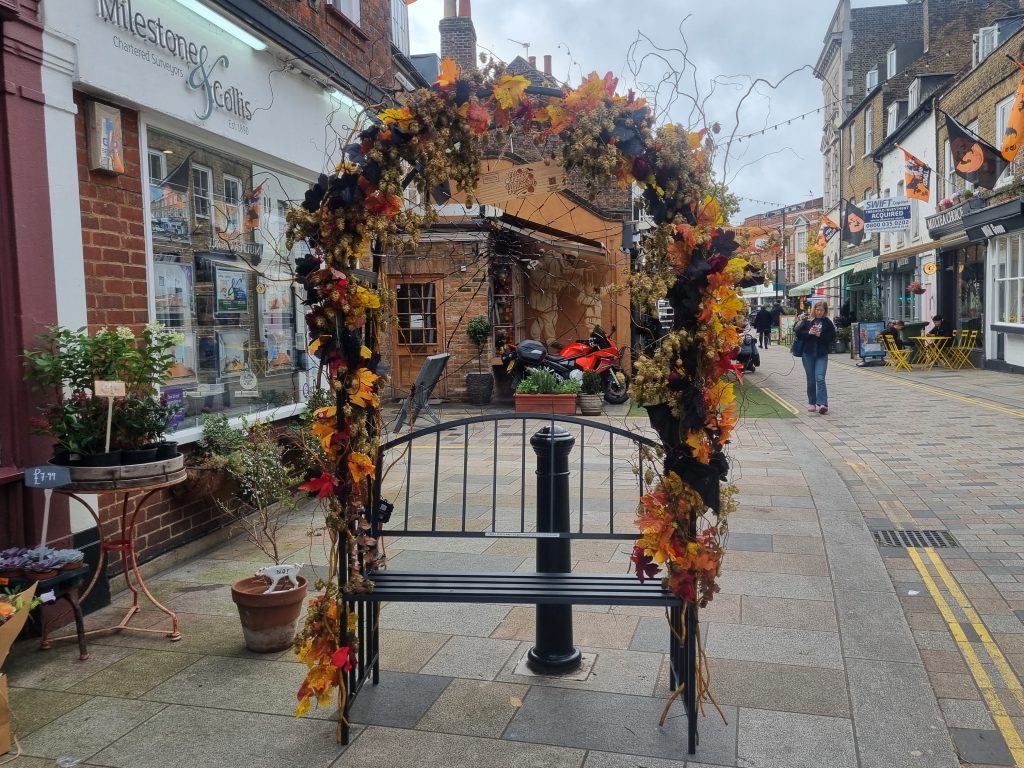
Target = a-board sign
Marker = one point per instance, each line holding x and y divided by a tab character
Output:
109	388
47	476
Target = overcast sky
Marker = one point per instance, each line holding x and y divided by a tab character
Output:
733	41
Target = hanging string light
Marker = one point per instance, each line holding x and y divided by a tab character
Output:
777	125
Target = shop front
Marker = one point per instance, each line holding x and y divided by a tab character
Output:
191	141
1000	229
959	269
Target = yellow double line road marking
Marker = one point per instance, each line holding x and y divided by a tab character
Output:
901	519
1018	412
995	705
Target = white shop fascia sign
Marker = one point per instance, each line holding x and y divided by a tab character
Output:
160	55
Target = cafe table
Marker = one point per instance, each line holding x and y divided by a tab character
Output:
930	350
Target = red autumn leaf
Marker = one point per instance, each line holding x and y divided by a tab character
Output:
646	568
342	658
323	486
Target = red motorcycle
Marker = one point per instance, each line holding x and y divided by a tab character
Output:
598	353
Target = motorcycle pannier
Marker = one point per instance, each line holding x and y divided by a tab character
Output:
531	351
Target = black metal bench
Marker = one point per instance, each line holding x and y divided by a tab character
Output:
552	588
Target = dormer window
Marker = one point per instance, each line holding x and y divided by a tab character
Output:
871	80
890	63
892	118
914	95
984	43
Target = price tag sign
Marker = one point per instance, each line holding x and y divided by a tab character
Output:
48	476
109	388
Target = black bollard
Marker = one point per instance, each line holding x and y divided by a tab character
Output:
554	651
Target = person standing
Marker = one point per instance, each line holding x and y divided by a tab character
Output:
818	333
763	326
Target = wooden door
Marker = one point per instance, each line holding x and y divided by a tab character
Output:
417	332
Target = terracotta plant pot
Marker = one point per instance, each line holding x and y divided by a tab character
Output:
41	575
268	620
590	405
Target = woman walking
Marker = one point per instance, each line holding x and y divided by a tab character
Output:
817	333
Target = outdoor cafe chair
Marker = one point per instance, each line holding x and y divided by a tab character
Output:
959	352
894	356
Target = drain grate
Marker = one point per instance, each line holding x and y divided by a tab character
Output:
937	539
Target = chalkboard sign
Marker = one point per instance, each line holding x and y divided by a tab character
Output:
47	476
417	401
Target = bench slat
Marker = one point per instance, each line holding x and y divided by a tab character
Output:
516	588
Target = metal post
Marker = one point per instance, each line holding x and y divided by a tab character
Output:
554	650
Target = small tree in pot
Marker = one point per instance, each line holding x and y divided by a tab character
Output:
270	602
479	385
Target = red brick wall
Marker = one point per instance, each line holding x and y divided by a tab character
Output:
366	47
113	240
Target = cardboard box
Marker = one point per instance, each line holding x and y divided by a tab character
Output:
8	634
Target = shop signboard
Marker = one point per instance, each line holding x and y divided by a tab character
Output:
889	214
868	343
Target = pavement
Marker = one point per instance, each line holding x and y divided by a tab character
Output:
827	649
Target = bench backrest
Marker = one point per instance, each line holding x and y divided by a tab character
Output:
477	477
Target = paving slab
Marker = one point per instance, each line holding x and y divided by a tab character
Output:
769	739
787	612
784	687
981	746
186	737
873	626
776	645
444	618
399	700
87	729
620	723
397	748
471	657
35	707
474	708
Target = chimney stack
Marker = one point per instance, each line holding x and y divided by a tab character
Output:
533	61
547	63
458	35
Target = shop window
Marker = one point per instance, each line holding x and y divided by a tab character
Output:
202	197
417	313
157	167
1009	280
224	285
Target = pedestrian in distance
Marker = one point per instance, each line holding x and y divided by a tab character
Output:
818	333
763	326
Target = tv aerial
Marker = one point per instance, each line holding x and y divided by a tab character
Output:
525	45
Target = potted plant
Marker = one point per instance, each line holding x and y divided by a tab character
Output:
542	391
843	339
591	394
67	364
916	287
479	385
268	605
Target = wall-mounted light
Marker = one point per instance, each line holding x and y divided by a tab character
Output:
225	24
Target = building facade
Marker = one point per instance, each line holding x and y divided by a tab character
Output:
166	142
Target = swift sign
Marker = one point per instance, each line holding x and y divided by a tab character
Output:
890	214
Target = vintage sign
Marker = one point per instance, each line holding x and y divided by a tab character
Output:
47	476
520	182
890	214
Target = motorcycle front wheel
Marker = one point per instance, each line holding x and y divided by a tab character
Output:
616	386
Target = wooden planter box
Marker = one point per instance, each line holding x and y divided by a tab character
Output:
564	405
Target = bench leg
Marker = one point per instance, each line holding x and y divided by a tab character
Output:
674	633
375	635
690	678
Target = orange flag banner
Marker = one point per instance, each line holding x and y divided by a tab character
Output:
1014	133
917	177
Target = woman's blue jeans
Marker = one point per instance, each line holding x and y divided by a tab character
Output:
814	369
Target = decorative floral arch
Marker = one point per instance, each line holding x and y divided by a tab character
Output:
439	135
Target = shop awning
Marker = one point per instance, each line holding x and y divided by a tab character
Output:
864	266
913	250
804	289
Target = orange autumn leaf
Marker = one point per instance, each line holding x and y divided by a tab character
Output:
479	115
509	89
448	73
699	445
360	467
